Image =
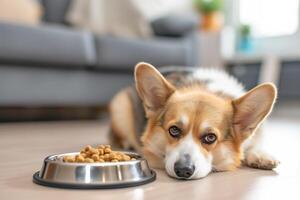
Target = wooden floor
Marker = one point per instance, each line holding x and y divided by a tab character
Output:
23	147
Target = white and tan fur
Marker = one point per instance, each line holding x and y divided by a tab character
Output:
218	105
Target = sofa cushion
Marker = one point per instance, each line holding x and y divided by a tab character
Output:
124	53
45	45
175	25
55	10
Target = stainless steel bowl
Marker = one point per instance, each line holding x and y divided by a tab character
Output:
56	173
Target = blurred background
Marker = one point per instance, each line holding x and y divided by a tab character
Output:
65	59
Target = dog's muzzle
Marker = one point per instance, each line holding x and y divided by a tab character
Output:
184	168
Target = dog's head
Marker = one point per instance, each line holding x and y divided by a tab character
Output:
199	130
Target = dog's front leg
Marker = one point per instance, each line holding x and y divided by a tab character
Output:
255	154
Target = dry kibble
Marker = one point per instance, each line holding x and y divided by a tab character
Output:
94	151
107	150
95	157
83	155
126	158
120	153
79	158
101	147
88	148
88	160
103	153
106	157
101	157
65	158
82	151
121	158
69	159
118	157
112	156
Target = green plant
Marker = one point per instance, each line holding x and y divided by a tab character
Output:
245	30
209	6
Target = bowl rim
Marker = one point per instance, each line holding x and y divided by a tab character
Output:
40	181
51	160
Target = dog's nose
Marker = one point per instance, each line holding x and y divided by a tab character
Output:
184	168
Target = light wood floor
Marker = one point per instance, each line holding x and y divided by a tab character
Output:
23	147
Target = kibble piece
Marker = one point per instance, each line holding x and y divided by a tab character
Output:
106	157
101	147
107	146
101	160
101	151
69	159
88	160
88	148
101	157
94	151
120	153
107	150
89	153
79	158
95	157
112	156
126	158
83	155
82	151
132	159
65	158
118	157
114	160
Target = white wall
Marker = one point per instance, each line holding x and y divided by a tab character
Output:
283	46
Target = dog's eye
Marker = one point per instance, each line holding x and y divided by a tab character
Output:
209	138
174	131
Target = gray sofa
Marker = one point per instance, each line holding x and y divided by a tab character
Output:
56	65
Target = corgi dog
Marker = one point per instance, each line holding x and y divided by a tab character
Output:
192	121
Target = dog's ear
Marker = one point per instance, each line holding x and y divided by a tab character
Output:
152	87
252	108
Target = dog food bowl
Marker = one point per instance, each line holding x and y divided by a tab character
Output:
56	173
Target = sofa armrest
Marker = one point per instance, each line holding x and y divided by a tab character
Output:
175	25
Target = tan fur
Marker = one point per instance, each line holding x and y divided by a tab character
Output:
226	156
196	111
122	123
154	143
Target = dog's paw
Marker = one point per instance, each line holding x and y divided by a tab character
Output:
260	160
